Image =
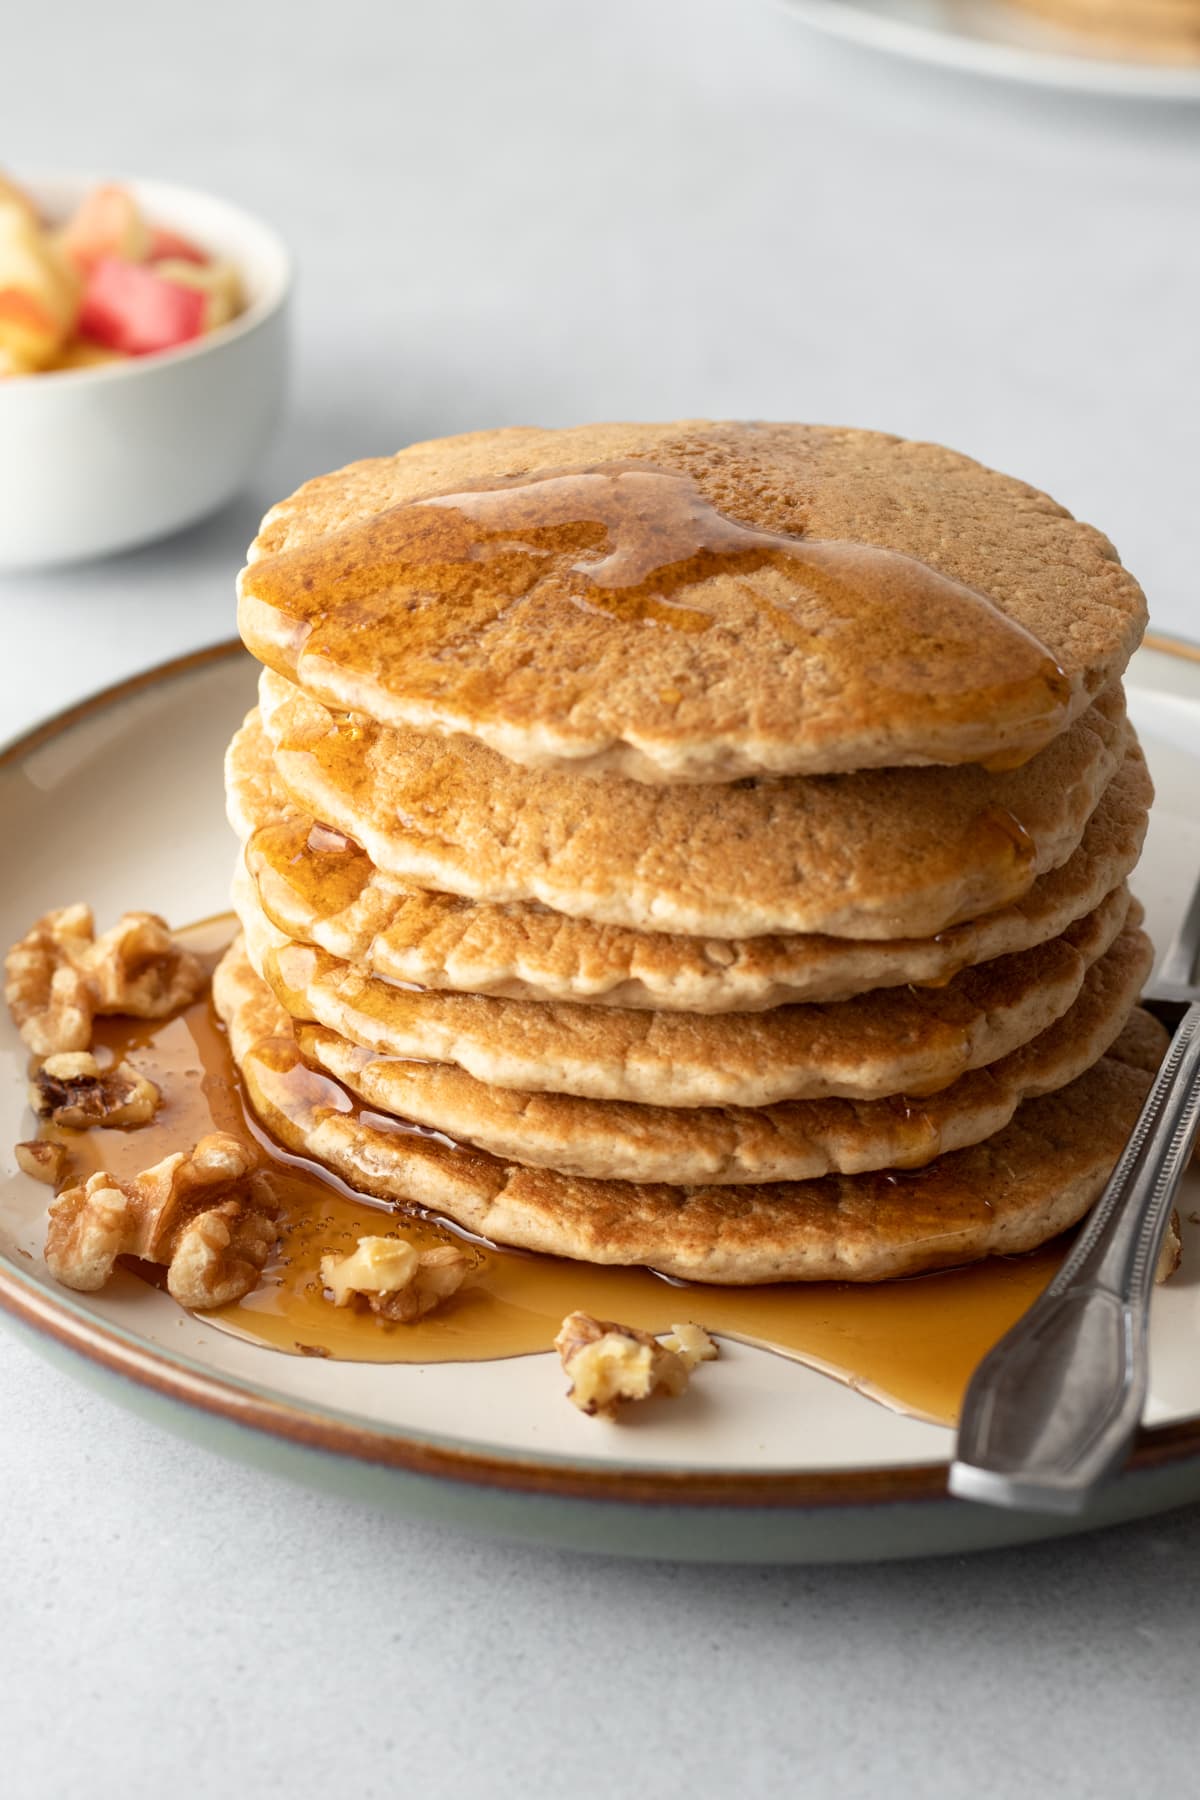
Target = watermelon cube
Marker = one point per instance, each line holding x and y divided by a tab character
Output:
127	306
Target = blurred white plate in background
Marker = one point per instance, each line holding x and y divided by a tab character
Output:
989	37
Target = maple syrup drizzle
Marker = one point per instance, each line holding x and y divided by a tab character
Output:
304	870
640	546
912	1344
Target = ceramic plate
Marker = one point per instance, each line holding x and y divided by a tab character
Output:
988	37
120	801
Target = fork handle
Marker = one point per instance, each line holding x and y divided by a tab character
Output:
1052	1409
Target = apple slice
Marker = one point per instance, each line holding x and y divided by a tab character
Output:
127	306
28	332
107	222
38	292
165	243
219	282
81	353
12	364
12	195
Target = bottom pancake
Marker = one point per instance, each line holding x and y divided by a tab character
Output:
1011	1193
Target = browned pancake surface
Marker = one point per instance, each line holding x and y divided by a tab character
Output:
882	854
897	1041
1011	1193
693	601
319	887
791	1141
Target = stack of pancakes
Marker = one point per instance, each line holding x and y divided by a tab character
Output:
699	845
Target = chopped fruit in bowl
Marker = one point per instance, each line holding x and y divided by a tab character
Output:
110	280
161	314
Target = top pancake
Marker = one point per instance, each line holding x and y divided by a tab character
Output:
693	602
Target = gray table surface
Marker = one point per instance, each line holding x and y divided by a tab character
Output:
534	212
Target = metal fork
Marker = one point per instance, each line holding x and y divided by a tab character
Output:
1052	1410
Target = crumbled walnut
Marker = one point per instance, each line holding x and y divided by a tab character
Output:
72	1089
44	1161
398	1281
60	975
219	1255
692	1343
138	968
610	1363
203	1213
377	1265
1171	1254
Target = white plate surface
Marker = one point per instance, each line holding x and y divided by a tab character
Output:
123	807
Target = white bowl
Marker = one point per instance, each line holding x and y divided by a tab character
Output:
96	460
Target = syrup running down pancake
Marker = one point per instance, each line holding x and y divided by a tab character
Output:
1011	1193
693	602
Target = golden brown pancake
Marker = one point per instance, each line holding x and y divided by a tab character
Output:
320	888
693	602
897	1041
1011	1193
793	1141
883	854
1156	30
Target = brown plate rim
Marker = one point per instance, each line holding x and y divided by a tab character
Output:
178	1379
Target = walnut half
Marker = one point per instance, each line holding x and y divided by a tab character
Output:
204	1213
60	975
610	1364
47	992
72	1089
398	1281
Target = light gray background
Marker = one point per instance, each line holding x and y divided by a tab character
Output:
523	211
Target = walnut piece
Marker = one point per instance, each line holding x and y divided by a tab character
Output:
204	1213
692	1343
43	1160
60	975
398	1281
610	1364
72	1089
139	969
47	994
1171	1254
